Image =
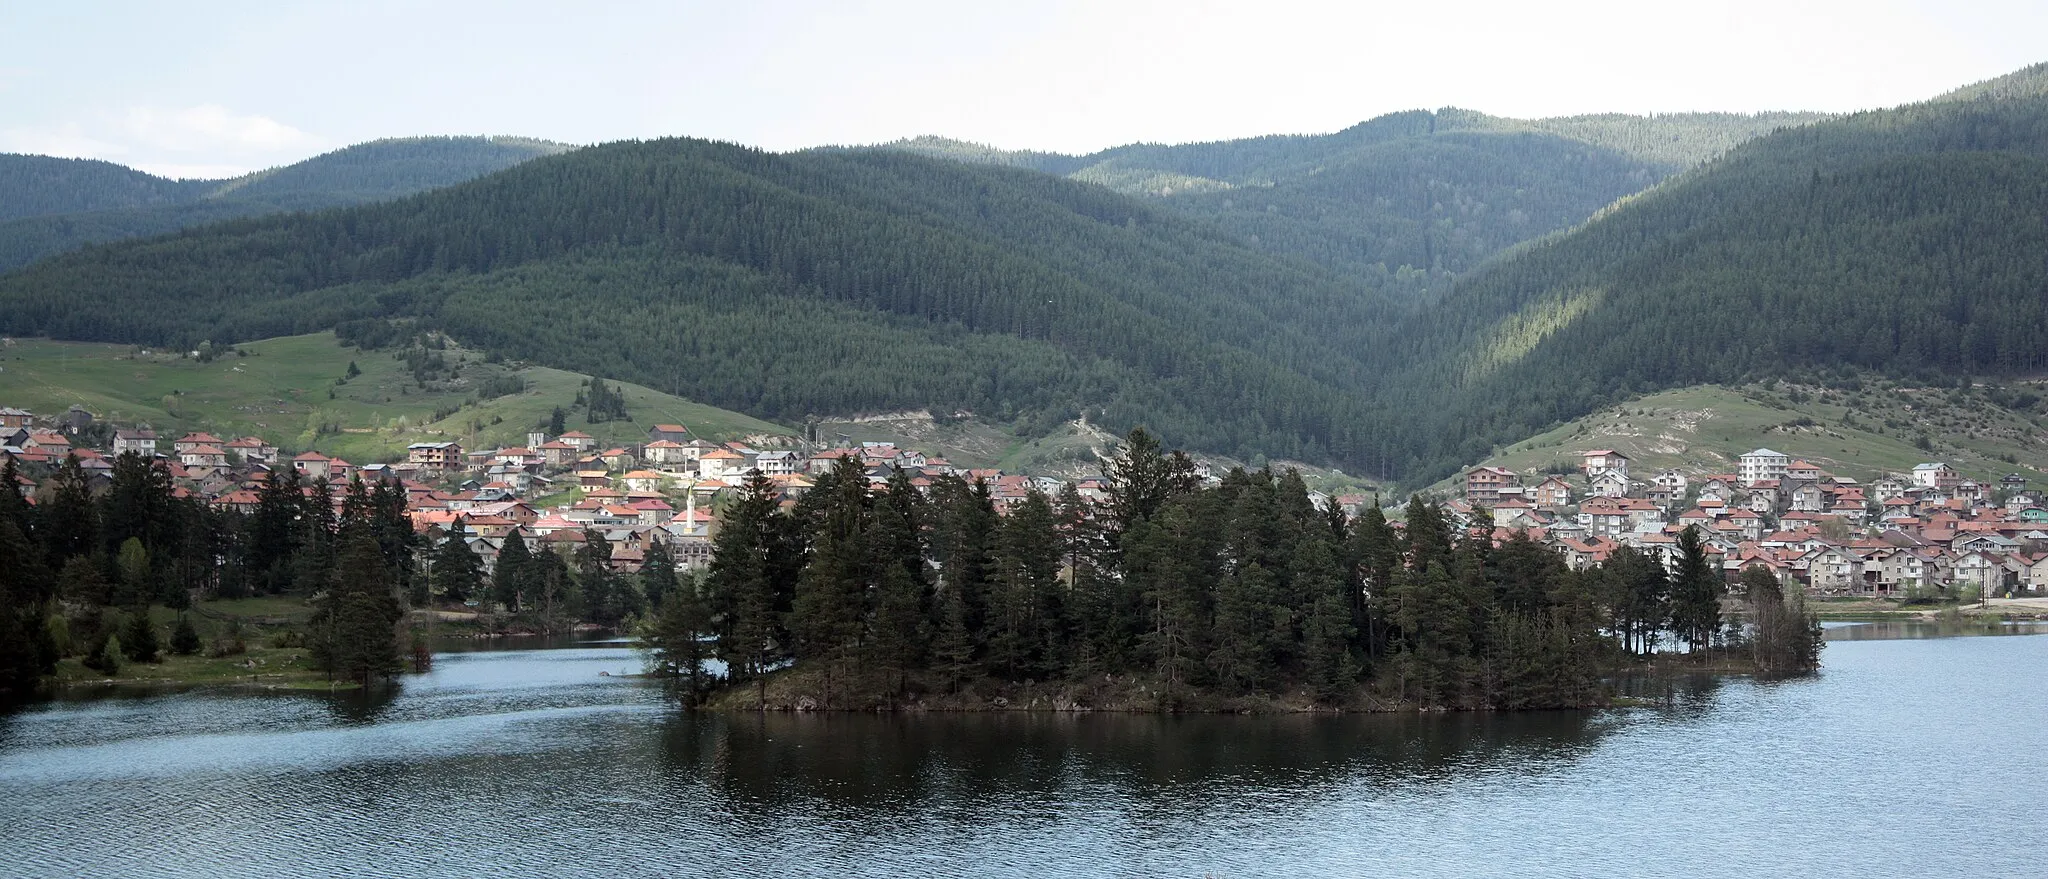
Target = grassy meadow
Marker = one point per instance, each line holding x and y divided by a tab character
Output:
295	391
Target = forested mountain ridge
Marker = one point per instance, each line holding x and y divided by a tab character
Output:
50	205
34	186
2029	81
1408	199
1911	241
783	286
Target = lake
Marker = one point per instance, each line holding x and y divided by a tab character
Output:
1904	757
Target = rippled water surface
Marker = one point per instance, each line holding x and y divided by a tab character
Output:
1905	757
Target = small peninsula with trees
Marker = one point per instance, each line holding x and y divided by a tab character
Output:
1171	596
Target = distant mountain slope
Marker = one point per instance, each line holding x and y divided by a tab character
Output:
36	186
1407	198
782	286
53	205
1912	242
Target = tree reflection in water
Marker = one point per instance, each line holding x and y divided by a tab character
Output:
874	767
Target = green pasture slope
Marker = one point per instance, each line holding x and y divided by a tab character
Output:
1984	432
285	390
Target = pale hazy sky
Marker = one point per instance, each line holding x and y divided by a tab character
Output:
216	88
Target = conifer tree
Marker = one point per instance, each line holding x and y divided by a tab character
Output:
354	632
138	505
963	550
315	552
1695	593
69	524
1329	663
595	597
1639	597
657	572
1784	637
1376	548
829	608
457	571
271	535
740	588
184	638
13	506
1141	480
27	652
677	637
391	526
510	576
82	582
138	638
1026	622
1170	566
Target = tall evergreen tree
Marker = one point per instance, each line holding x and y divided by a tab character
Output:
271	534
1329	664
677	636
1142	479
1696	588
657	572
509	578
828	612
963	550
1027	629
391	525
70	521
740	587
354	628
13	506
1638	596
27	652
457	570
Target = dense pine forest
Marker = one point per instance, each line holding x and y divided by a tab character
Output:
41	186
1906	242
1173	596
49	206
1408	200
783	286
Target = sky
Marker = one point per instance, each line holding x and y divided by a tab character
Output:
213	89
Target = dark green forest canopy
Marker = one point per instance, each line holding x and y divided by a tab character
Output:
1408	199
785	286
1910	242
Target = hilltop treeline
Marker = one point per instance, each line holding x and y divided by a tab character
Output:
1410	200
888	597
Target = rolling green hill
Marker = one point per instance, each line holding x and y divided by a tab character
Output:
1408	199
49	206
783	286
285	390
